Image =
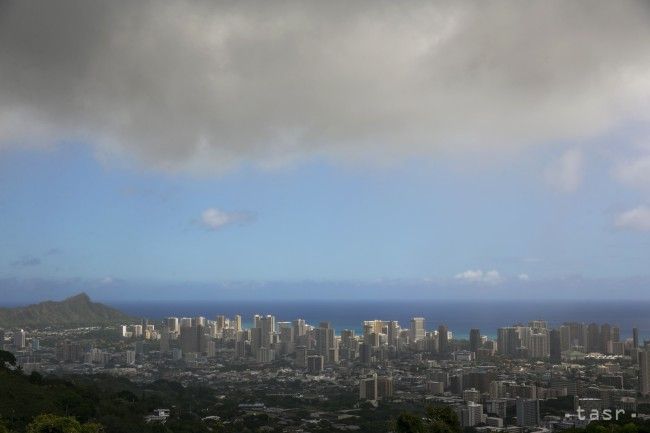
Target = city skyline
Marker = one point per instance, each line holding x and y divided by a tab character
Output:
329	216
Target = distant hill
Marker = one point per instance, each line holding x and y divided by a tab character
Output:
76	310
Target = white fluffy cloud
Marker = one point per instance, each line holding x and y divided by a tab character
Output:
523	277
215	219
479	276
634	219
204	85
566	173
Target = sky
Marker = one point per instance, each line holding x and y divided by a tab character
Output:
193	150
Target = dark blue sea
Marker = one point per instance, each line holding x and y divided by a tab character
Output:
459	316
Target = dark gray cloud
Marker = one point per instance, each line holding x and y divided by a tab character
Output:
209	85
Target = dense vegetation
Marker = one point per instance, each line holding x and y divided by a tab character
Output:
437	419
114	403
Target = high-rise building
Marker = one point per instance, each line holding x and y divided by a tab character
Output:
527	412
635	338
555	341
286	337
299	329
471	415
20	339
67	351
497	406
324	340
507	341
393	333
539	345
577	333
443	339
267	324
173	325
265	355
593	338
368	387
537	325
365	353
130	357
644	373
565	338
221	323
471	395
237	323
524	333
301	357
211	349
375	326
315	364
474	339
605	337
417	329
384	387
164	339
347	339
372	339
241	349
191	338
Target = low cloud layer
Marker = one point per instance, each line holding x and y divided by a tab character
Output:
216	219
198	85
479	276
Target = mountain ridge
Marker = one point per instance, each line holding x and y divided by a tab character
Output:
75	310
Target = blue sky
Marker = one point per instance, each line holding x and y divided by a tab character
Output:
67	216
198	149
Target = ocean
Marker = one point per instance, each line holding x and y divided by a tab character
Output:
459	316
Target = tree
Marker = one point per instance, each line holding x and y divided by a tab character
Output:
49	423
8	358
3	427
443	419
409	423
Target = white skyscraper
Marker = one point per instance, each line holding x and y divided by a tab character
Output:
173	325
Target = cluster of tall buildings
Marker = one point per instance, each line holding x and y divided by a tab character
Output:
538	341
268	339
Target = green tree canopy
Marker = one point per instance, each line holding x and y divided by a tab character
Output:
49	423
7	357
443	419
409	423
